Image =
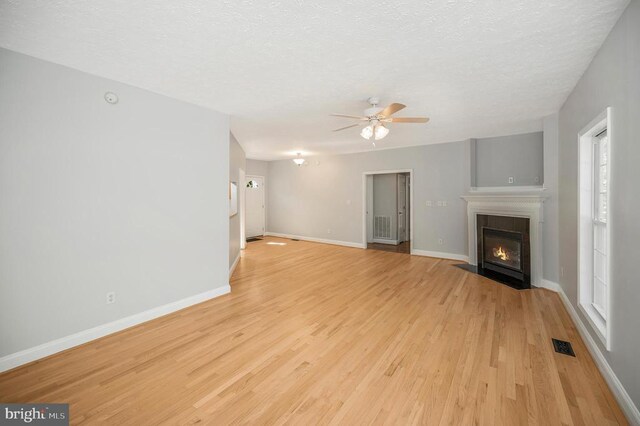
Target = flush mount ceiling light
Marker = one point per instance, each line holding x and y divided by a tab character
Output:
376	117
299	160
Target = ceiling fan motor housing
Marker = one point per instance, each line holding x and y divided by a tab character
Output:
374	110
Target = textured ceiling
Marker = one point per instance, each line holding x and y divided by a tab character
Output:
477	68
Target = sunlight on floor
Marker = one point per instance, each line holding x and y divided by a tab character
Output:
271	243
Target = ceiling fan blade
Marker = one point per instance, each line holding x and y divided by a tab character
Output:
347	127
406	120
391	109
349	116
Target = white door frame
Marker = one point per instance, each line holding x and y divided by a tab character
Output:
242	186
364	202
264	194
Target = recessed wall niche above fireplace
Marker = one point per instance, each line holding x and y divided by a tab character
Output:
503	250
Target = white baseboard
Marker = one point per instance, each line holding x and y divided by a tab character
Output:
28	355
315	240
381	241
626	404
441	255
550	285
235	263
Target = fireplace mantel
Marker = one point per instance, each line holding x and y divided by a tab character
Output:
527	206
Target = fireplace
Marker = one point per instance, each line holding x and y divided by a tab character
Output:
502	252
503	249
518	213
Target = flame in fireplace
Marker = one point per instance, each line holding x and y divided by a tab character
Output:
500	253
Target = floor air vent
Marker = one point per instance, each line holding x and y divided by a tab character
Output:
563	347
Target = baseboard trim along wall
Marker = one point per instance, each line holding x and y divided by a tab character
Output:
32	354
235	263
315	240
550	285
626	403
441	255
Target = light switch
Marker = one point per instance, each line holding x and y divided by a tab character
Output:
510	179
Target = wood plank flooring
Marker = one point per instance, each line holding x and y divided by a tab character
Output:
320	334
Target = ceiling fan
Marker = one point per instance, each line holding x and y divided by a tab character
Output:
377	117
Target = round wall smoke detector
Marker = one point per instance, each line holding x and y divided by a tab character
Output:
111	97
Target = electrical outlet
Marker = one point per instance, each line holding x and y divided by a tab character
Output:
111	297
429	203
440	241
536	179
328	231
444	204
510	179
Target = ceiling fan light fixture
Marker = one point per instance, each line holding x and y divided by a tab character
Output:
380	132
367	132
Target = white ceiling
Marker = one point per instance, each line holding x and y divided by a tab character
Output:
477	68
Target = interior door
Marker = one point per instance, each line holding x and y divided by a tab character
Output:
402	208
254	203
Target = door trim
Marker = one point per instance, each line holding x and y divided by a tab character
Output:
364	202
242	177
264	194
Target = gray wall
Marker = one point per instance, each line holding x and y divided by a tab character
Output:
612	79
257	167
237	161
518	156
385	199
94	198
550	226
324	198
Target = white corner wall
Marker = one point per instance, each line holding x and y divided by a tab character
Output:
94	198
550	226
237	161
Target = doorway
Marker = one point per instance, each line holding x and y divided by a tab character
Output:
387	212
254	202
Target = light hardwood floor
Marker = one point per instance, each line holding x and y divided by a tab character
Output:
320	334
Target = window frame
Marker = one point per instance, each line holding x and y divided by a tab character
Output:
598	317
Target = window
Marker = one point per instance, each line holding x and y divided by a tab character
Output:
594	224
600	231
